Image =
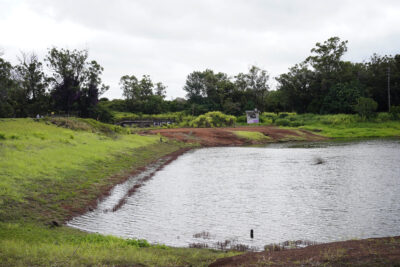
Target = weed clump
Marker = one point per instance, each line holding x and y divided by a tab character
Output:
213	119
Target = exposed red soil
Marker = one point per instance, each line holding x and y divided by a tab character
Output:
367	252
226	137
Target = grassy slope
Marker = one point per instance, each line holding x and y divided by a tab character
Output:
45	169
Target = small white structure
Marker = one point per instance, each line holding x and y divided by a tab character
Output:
252	116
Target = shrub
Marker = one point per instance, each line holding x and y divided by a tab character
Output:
213	119
395	112
384	116
241	119
282	122
296	124
283	115
101	113
365	107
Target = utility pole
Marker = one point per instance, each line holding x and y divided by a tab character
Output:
389	88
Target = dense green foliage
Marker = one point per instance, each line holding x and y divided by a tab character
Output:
73	87
323	84
213	119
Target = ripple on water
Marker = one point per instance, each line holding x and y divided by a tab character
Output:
276	190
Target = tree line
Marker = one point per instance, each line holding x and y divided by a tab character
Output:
323	83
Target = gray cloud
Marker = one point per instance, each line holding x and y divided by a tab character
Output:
169	39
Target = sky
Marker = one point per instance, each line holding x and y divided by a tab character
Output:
170	39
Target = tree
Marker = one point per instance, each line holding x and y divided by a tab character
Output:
327	56
342	98
146	87
68	70
160	90
92	89
376	80
298	87
76	82
195	87
6	85
276	101
33	84
130	87
255	85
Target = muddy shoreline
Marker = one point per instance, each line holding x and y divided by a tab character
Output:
383	251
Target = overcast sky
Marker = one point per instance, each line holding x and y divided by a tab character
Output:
169	39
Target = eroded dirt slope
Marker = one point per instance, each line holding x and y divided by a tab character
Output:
227	137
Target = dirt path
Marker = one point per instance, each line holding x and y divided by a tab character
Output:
367	252
227	137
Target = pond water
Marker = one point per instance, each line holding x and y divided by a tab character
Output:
318	191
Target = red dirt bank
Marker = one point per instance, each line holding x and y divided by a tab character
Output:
226	136
367	252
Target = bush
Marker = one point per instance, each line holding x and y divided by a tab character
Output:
283	115
384	116
395	112
365	107
101	113
241	119
282	122
296	124
213	119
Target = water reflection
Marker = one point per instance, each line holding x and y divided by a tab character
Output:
277	190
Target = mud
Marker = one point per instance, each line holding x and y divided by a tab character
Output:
367	252
209	137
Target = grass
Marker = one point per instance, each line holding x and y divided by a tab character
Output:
337	125
33	245
50	169
253	136
46	168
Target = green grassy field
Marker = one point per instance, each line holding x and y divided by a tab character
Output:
334	126
48	171
347	126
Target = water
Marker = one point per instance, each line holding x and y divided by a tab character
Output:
280	191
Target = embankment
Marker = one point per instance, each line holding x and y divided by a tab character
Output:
366	252
245	135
